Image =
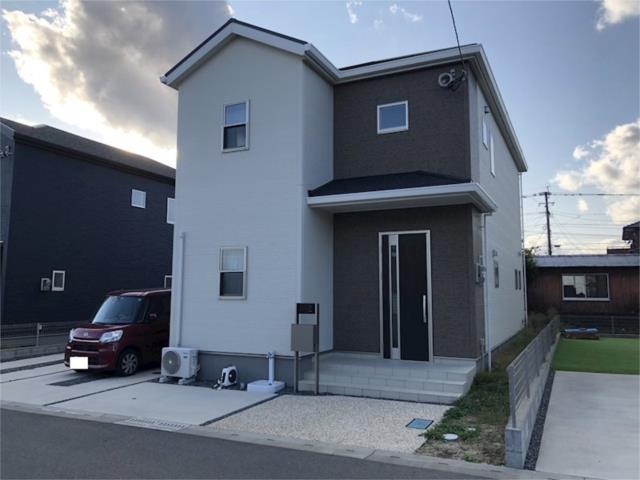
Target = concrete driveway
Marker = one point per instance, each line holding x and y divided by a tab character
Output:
592	426
137	399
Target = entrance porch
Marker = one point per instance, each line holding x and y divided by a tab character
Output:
371	375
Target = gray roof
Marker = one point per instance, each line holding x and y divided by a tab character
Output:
81	145
376	183
609	260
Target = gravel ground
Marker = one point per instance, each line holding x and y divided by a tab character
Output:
538	428
362	422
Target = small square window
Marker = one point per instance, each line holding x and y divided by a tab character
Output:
58	281
170	210
233	268
167	281
393	117
138	198
235	128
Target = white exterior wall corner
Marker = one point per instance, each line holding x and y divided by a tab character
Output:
506	305
316	266
246	198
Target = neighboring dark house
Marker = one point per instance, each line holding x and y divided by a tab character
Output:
79	219
631	234
586	285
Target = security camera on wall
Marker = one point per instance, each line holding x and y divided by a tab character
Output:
45	284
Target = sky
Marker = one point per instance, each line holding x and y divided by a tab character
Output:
568	72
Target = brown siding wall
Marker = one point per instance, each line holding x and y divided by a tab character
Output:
457	319
624	291
438	136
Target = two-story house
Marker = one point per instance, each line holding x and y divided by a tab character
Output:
78	219
382	191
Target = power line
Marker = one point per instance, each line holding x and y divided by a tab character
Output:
579	194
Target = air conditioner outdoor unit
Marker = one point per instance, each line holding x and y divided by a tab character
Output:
181	363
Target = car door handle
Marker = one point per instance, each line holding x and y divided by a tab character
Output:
424	308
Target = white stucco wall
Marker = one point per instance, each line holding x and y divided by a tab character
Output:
253	198
317	227
505	303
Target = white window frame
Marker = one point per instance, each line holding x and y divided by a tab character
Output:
585	299
246	124
485	132
394	129
171	200
53	280
492	153
165	280
144	198
243	271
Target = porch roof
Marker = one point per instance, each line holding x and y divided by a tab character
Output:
408	190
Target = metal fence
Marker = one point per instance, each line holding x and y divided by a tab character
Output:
35	334
606	324
526	366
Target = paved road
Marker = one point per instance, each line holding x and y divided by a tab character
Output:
44	446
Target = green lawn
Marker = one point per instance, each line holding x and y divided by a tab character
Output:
607	355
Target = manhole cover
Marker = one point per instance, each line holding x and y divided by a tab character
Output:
419	423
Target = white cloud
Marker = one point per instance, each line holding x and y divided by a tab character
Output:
580	152
611	165
95	65
407	15
230	10
583	206
612	12
378	23
351	10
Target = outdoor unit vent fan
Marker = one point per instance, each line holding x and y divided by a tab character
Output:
228	377
179	362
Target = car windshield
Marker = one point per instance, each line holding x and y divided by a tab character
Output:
118	311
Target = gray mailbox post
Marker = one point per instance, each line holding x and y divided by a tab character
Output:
305	338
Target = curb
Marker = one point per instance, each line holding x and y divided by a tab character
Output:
375	455
30	352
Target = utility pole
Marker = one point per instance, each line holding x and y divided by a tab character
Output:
546	212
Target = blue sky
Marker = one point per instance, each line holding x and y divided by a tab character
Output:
566	83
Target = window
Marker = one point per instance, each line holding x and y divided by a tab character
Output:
167	281
235	128
593	286
393	117
159	309
233	267
492	151
485	132
138	198
57	281
170	211
496	274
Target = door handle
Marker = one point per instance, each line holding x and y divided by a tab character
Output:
424	308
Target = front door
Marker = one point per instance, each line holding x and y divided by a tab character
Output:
405	299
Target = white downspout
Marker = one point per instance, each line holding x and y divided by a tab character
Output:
183	238
524	260
487	324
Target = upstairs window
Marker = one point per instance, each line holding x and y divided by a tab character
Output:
492	151
58	280
233	269
485	132
138	198
170	211
235	129
393	117
585	287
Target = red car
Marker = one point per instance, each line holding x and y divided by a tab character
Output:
129	330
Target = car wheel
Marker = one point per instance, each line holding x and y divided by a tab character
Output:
128	363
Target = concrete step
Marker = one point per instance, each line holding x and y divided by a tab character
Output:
331	375
421	371
373	391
